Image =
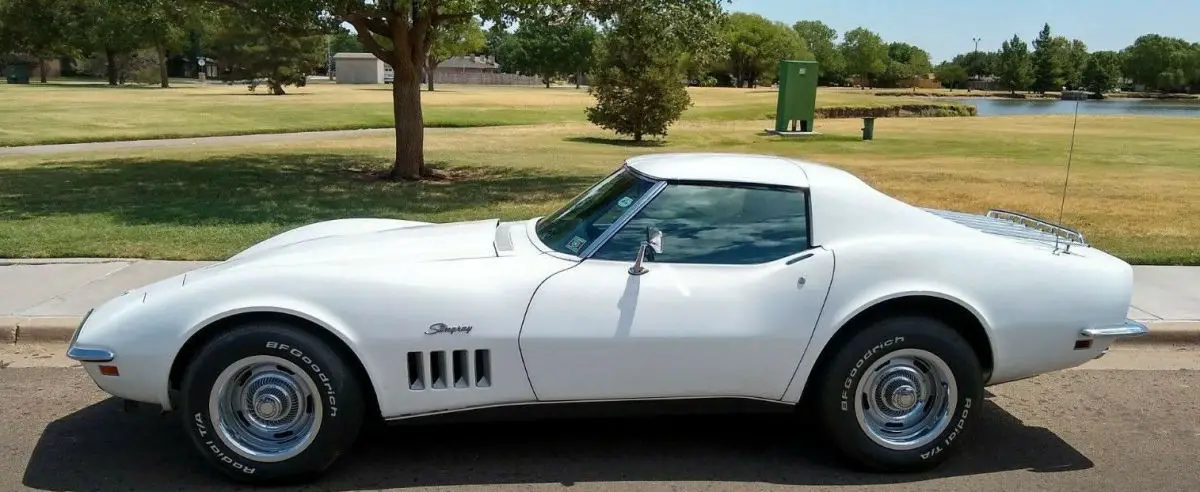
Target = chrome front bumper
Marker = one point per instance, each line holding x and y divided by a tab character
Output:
84	353
1130	328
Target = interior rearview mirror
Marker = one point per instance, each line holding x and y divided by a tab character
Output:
653	242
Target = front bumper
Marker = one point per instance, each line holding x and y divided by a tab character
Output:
1129	328
87	353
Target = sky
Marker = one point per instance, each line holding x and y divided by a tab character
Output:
945	28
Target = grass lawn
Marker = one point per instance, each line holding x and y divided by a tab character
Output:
73	112
1134	188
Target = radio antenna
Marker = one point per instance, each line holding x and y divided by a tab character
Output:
1070	154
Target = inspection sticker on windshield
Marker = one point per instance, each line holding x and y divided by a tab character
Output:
576	243
624	202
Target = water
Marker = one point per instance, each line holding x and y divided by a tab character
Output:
1127	107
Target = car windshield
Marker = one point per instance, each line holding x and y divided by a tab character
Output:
585	218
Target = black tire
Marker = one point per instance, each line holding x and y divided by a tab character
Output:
337	392
839	382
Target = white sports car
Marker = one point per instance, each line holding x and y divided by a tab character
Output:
692	279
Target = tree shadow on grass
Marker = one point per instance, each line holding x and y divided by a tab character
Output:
288	189
620	142
100	447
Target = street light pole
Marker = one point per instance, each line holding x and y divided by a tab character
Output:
977	40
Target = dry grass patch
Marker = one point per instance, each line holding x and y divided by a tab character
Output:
1135	183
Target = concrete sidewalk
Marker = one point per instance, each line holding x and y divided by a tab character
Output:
44	299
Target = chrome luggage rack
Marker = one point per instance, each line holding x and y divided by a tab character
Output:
1015	224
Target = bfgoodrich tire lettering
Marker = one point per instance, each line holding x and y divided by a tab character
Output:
879	394
281	378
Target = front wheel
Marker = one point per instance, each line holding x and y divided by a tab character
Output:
899	395
269	404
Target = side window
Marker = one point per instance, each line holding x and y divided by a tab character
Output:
714	224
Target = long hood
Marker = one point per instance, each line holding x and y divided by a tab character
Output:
353	240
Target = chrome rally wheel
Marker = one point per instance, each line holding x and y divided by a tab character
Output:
267	409
905	399
898	394
271	403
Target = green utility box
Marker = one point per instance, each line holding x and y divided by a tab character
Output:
797	106
17	72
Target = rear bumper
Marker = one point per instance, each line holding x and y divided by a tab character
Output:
1129	328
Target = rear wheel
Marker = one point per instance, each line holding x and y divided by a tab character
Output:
900	394
270	403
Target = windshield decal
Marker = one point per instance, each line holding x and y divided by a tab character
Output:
576	243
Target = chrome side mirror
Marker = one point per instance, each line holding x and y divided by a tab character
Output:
654	243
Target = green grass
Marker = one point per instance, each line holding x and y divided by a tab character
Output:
69	113
1135	181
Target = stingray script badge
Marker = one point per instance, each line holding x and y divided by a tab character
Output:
436	328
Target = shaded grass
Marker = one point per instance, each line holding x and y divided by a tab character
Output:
1134	186
70	113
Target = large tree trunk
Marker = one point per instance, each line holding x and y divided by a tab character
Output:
110	57
163	76
578	77
410	125
42	69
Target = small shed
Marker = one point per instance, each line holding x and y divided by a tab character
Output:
357	68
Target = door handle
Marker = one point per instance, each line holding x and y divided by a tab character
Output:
797	259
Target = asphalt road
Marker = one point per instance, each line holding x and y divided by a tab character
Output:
1128	422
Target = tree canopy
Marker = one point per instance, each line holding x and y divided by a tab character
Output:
757	44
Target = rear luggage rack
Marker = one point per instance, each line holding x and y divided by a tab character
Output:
1014	224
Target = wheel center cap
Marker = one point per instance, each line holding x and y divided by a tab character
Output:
904	397
268	407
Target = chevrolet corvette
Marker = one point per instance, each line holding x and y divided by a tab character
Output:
684	279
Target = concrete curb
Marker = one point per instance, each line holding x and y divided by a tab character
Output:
28	329
31	329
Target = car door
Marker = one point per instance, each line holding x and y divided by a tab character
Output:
726	309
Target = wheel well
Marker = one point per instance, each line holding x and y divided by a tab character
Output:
952	313
223	325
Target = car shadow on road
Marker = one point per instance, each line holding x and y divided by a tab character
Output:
101	447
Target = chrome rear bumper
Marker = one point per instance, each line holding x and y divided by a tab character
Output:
1130	328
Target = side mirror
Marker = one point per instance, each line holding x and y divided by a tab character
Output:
654	243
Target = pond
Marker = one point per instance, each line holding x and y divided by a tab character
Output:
1130	107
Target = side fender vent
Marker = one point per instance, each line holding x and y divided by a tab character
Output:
416	371
437	369
442	370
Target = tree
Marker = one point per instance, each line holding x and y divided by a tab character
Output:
821	41
400	32
1075	61
636	81
1014	66
1103	72
164	25
1151	56
950	75
757	44
345	41
1047	62
549	48
113	28
458	38
865	54
581	44
978	63
36	28
905	61
246	45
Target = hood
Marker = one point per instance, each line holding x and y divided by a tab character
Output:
396	242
